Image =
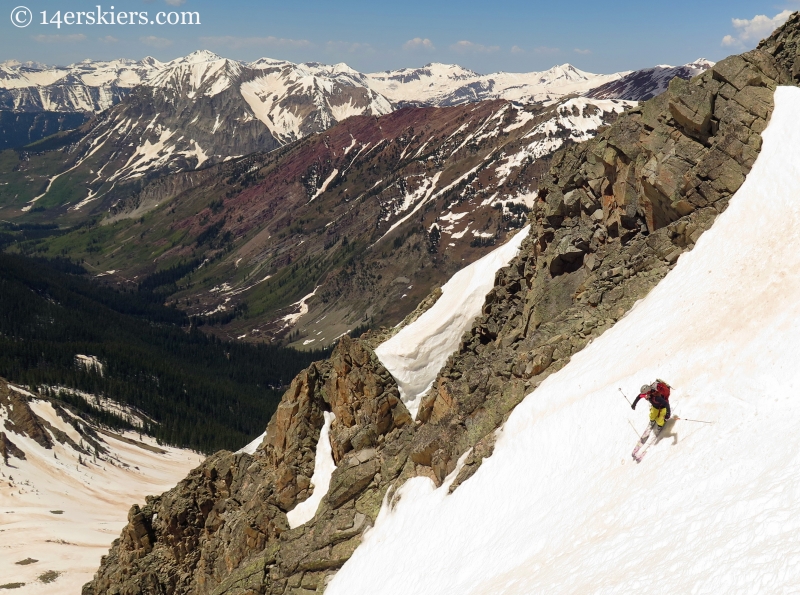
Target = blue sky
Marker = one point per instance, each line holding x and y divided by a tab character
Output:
514	35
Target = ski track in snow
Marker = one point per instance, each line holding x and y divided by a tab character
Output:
415	355
561	508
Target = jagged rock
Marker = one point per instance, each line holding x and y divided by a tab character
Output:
21	420
224	529
363	396
9	449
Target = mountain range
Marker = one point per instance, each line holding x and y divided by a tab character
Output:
403	195
291	100
92	86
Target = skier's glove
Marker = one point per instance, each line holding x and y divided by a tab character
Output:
633	406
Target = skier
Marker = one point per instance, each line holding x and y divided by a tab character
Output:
658	396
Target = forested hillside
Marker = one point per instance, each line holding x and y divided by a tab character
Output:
199	391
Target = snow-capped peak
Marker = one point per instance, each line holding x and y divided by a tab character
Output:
200	71
196	57
29	64
564	72
641	85
700	63
150	61
267	63
450	84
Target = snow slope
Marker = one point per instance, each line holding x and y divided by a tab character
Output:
416	354
449	84
93	496
561	508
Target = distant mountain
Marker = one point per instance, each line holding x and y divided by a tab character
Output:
192	112
221	107
345	228
449	84
645	84
87	86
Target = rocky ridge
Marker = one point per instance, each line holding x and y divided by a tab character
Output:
612	217
224	528
641	85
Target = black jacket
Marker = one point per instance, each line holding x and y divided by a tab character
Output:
656	400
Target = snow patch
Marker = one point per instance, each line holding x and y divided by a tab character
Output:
251	447
415	355
320	480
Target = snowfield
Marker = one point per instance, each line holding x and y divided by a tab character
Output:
713	508
64	513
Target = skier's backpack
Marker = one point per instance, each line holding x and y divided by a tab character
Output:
662	388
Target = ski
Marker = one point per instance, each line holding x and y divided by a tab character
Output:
652	440
642	440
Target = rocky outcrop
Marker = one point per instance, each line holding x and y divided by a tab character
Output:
612	218
224	528
9	449
191	538
20	419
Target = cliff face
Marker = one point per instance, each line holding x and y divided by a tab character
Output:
224	528
612	217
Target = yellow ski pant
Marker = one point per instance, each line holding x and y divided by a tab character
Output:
658	415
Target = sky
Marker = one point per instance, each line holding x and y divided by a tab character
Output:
513	36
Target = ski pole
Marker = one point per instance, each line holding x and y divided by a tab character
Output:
624	396
697	421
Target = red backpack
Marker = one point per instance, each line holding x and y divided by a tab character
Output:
662	388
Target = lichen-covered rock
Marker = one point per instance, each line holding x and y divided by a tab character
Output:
224	529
